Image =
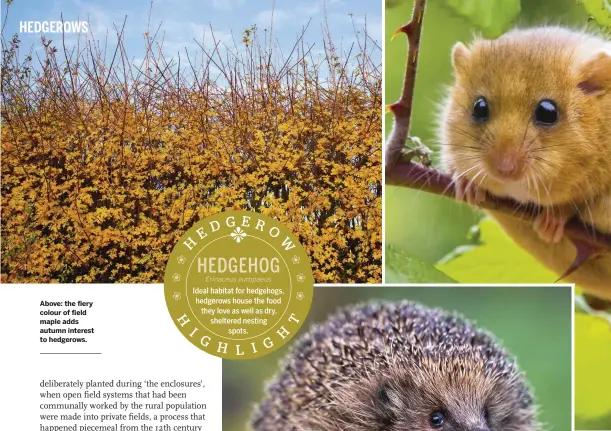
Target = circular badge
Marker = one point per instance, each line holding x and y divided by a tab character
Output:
238	285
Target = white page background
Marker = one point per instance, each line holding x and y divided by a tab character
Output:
134	334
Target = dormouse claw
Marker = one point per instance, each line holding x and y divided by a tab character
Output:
549	224
468	191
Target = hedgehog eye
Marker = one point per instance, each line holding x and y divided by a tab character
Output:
546	113
481	110
386	416
436	419
487	416
383	395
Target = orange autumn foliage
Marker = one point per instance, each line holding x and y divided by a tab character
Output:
105	165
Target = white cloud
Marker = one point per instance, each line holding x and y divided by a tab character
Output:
204	34
181	35
374	26
279	17
300	13
309	10
226	4
346	23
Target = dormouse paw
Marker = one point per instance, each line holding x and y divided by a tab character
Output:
549	224
468	191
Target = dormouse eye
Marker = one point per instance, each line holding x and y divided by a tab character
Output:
481	111
436	419
546	113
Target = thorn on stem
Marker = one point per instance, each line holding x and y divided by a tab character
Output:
407	29
399	109
585	252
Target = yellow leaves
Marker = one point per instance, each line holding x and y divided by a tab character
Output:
84	199
107	198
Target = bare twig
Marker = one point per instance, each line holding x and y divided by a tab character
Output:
402	108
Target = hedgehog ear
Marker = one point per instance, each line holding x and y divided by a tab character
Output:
595	74
460	57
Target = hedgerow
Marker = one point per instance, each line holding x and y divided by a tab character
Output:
106	162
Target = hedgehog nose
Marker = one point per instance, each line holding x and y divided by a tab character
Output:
508	164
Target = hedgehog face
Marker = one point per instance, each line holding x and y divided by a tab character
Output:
426	415
461	392
398	367
448	395
401	406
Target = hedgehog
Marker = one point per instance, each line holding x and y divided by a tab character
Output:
397	367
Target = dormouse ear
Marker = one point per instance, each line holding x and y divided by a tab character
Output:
595	74
460	57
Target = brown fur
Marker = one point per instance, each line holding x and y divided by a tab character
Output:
388	367
567	165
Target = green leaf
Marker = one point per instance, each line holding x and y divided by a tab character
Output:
494	17
402	268
497	260
592	373
600	10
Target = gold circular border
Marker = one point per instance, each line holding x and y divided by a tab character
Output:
174	268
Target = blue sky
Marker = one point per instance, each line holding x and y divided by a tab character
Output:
184	20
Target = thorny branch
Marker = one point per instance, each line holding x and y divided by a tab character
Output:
402	171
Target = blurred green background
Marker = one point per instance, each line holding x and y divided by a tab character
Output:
426	226
534	324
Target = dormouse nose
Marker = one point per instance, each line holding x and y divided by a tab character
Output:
508	163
